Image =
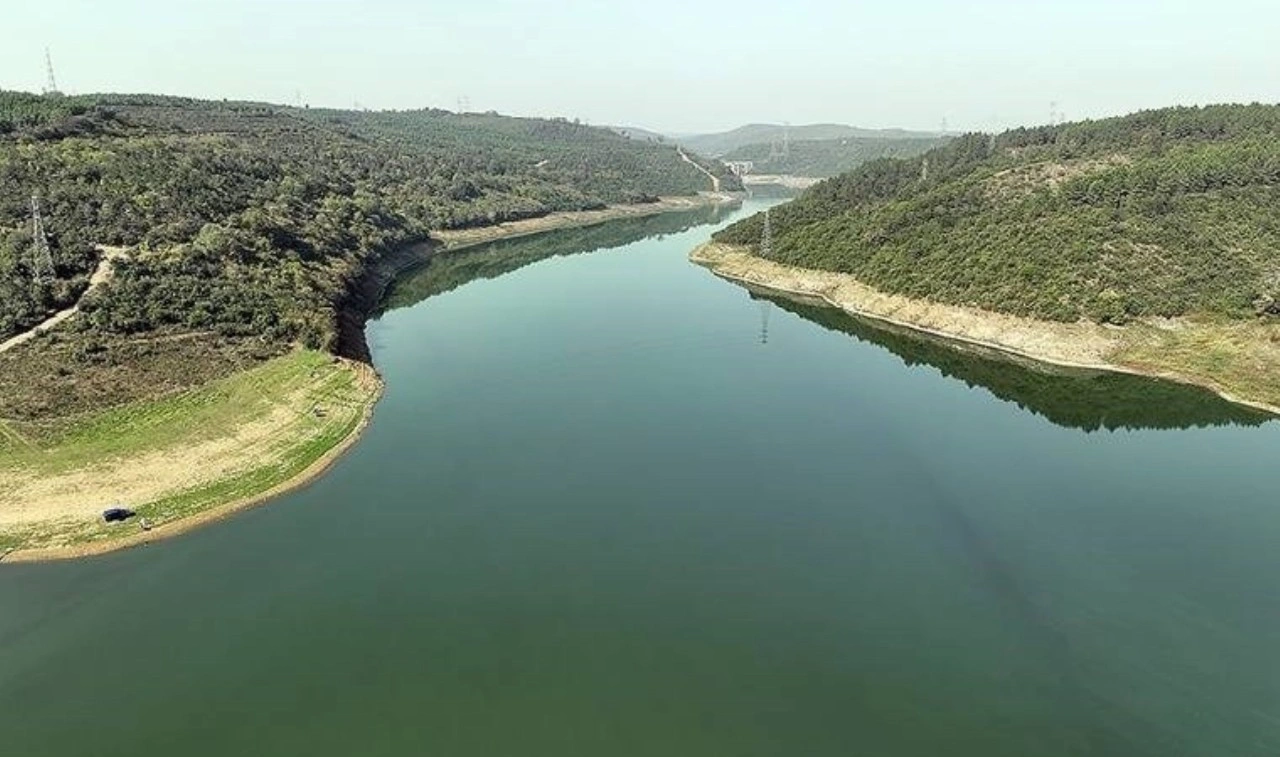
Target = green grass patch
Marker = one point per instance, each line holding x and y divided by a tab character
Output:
297	382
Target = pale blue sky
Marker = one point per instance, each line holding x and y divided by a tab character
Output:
674	65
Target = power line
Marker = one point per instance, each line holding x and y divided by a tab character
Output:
41	257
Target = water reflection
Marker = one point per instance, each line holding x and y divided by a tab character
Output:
1081	399
451	270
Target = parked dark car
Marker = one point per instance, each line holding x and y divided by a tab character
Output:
117	514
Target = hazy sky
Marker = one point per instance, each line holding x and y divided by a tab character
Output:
672	65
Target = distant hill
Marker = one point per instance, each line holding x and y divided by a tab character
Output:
1162	213
716	145
828	157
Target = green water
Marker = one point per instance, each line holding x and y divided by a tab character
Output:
597	514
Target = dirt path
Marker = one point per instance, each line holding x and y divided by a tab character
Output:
715	180
100	276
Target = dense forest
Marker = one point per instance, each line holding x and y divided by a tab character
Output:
720	144
250	219
823	158
1161	213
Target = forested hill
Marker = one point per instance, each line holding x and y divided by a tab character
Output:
1161	213
828	157
250	219
723	143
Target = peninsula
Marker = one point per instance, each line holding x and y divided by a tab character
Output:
193	342
1143	244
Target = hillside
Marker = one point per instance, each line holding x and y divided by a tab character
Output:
722	143
247	223
1162	213
635	132
828	157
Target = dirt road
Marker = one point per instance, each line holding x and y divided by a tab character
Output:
715	180
100	276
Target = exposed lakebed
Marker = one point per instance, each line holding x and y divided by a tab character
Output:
613	505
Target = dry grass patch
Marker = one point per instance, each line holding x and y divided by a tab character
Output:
203	449
1238	358
1024	180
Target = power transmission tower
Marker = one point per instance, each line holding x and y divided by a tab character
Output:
786	139
51	84
1056	116
766	238
765	307
41	258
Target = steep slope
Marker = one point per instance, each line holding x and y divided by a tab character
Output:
1161	213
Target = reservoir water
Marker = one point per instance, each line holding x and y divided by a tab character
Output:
612	505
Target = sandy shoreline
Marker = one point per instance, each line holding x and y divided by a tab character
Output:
210	515
452	240
1070	345
463	238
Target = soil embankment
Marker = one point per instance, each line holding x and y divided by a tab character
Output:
364	294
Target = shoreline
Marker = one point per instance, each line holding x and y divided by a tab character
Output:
366	293
363	298
460	239
736	265
171	529
784	180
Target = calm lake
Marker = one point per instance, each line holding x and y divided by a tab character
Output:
612	505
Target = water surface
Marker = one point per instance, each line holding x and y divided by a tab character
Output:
598	514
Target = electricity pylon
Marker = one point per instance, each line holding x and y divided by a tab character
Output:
51	84
41	258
